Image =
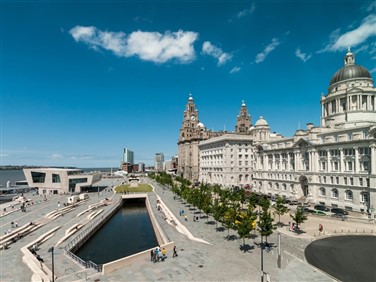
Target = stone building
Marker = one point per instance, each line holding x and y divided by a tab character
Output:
191	133
333	164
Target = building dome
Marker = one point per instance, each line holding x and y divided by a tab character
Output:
200	125
350	70
261	122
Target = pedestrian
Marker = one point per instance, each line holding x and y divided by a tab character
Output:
186	218
151	254
16	224
12	224
174	254
321	228
58	205
40	260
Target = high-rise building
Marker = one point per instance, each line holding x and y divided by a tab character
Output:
128	156
158	161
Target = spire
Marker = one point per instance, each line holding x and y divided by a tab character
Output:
190	97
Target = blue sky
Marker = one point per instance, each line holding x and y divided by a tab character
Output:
80	81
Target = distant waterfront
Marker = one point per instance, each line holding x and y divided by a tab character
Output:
17	175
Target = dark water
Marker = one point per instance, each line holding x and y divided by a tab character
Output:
128	232
12	176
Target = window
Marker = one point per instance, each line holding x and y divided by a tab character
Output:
349	165
284	187
337	180
351	181
38	177
55	178
349	195
365	134
269	185
331	180
368	183
323	165
335	166
345	180
322	192
360	181
364	198
335	193
324	179
276	186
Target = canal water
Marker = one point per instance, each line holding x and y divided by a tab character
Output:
127	232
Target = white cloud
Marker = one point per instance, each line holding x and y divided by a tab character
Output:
353	37
260	57
148	46
235	69
56	157
246	11
303	56
216	52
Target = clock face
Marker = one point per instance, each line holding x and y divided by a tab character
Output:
193	117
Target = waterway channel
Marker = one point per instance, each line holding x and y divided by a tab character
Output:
127	232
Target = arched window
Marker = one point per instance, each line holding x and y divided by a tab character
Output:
335	193
270	185
240	177
364	197
322	192
349	195
284	187
292	188
276	186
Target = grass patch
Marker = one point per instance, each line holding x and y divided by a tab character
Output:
141	188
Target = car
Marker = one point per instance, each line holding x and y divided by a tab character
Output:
319	212
321	208
308	210
339	211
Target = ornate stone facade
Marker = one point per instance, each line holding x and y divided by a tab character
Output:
333	164
191	132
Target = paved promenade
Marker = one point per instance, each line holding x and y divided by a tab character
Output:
219	260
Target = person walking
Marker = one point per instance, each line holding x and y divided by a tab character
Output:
151	255
174	254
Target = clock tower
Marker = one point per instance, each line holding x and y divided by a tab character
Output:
191	132
243	122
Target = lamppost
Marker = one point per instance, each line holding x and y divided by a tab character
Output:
51	250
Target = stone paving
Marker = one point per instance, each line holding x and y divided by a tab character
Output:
221	260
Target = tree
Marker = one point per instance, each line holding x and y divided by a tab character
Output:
245	223
265	223
299	217
218	211
280	208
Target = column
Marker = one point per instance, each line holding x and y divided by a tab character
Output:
329	163
356	165
373	159
341	162
288	162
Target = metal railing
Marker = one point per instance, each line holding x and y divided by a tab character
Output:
86	233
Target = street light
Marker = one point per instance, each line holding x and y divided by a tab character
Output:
51	250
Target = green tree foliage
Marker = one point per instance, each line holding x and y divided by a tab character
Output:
265	223
280	208
245	222
299	217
